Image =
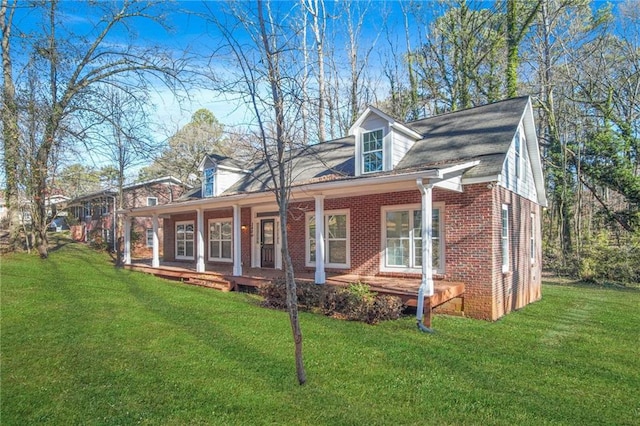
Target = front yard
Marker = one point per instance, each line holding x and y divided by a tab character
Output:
85	343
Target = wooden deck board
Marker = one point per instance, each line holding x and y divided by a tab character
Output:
405	288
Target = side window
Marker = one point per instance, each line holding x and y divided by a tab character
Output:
505	238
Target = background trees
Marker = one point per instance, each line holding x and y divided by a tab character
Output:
67	76
578	59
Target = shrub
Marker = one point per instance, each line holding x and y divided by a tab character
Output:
606	263
355	303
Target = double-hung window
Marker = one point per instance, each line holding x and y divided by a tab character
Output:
336	237
184	240
372	151
402	239
209	182
149	235
532	239
220	240
504	235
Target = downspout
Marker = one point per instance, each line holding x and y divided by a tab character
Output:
426	284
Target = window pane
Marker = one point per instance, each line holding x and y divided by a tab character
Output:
180	248
373	161
372	141
214	231
215	249
312	238
189	228
397	252
398	224
188	248
337	251
226	250
337	226
226	230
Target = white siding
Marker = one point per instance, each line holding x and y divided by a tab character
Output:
374	122
224	180
525	184
401	144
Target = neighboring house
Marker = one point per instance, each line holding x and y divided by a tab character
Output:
465	186
54	205
95	213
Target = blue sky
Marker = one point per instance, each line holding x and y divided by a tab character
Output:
191	32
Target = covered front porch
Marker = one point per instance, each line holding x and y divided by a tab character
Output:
222	278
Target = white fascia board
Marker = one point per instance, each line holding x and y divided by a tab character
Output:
404	129
233	169
482	179
393	123
533	148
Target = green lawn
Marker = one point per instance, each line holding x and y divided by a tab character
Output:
85	343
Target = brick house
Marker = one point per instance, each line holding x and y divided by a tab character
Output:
454	197
94	215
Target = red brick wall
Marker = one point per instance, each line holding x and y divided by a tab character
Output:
521	284
472	225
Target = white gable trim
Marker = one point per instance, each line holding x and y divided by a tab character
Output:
393	123
533	149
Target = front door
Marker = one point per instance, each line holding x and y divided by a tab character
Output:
267	243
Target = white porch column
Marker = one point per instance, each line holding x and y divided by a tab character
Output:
426	284
320	252
237	244
127	240
155	261
200	242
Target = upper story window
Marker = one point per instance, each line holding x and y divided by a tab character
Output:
372	152
518	159
208	182
152	201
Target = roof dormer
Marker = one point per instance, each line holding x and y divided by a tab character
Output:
218	175
381	141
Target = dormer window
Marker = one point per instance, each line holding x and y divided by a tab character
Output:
372	152
208	182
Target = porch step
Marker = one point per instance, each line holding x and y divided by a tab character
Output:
210	282
208	279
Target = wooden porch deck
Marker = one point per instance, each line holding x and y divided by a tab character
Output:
222	279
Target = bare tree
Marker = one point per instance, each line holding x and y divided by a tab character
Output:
267	78
74	69
10	131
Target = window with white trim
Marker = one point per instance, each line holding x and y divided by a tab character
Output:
184	240
208	182
402	239
372	152
152	201
336	238
220	240
518	152
504	234
532	239
149	236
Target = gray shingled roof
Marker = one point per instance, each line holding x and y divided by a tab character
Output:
481	133
324	161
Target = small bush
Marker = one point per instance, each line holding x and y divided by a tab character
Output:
355	302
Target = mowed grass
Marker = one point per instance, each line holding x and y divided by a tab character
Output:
83	342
